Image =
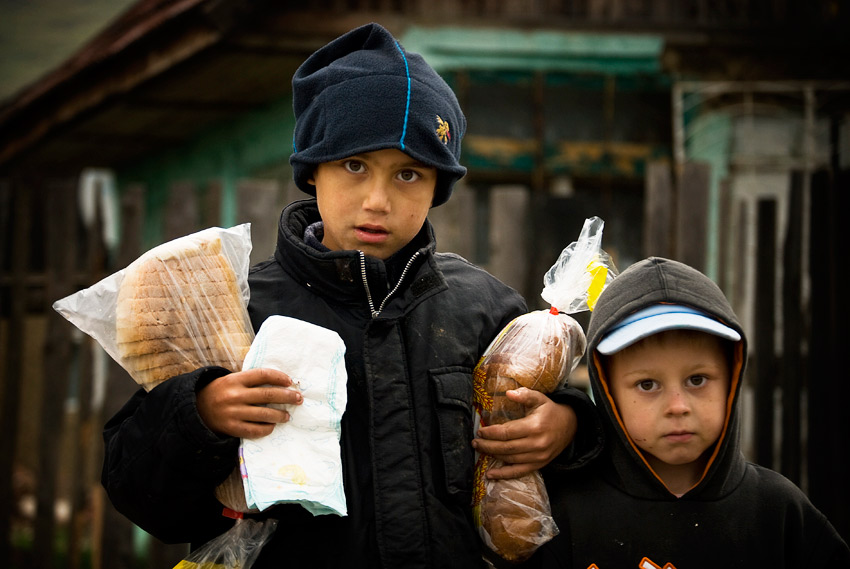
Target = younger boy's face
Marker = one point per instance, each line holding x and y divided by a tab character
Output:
374	202
671	391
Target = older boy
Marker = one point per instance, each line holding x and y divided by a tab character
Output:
377	142
672	489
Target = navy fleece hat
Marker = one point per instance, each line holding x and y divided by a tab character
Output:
362	92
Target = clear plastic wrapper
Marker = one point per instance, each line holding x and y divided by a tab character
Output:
178	307
236	548
537	350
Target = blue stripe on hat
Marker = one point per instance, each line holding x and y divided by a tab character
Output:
407	103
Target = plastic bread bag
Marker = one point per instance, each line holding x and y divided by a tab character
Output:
537	350
180	306
237	548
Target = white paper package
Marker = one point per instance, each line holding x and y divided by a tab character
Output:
299	462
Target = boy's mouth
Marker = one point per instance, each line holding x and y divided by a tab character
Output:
371	233
371	229
679	436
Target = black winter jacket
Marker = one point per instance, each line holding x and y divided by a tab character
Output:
406	431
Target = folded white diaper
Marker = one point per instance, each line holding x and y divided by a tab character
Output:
299	462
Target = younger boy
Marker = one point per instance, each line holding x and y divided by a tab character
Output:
672	489
377	142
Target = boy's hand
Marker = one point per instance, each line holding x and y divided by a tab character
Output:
530	443
234	404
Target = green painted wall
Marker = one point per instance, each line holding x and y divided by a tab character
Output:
259	140
452	48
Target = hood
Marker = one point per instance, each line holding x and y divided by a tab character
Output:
649	282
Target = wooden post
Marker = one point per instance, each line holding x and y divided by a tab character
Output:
507	259
658	210
60	245
829	390
765	326
181	218
14	349
113	544
87	431
258	202
692	214
791	367
182	212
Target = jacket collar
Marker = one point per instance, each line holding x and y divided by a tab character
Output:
338	274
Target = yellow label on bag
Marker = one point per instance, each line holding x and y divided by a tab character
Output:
599	274
192	565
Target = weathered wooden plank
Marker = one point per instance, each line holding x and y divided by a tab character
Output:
791	365
658	210
692	214
182	212
60	252
14	349
258	202
828	388
508	208
763	352
112	544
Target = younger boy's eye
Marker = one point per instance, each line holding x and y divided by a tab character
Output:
409	175
353	166
646	385
696	380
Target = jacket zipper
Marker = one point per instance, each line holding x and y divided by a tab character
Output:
375	313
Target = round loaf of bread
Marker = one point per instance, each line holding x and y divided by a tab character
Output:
516	515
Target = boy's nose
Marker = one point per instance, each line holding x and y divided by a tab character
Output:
377	196
677	403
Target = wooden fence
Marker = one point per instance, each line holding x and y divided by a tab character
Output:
56	391
58	387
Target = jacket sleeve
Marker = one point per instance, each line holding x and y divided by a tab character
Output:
589	439
162	464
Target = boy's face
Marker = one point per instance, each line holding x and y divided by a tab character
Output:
374	202
671	391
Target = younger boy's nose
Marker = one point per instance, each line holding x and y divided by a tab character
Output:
677	403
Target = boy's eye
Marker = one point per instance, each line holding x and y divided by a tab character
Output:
697	380
409	175
646	385
353	166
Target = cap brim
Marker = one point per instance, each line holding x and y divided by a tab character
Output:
659	319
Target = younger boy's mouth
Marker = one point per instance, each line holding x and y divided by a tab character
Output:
679	436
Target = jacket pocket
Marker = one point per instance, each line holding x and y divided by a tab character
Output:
453	396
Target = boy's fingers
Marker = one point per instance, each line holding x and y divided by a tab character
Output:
495	448
516	429
253	430
267	415
274	395
264	376
527	397
512	471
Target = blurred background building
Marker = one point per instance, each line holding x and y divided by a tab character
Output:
710	131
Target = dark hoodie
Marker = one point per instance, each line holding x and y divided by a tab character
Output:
617	514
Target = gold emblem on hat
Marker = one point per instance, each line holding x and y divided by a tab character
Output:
443	130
